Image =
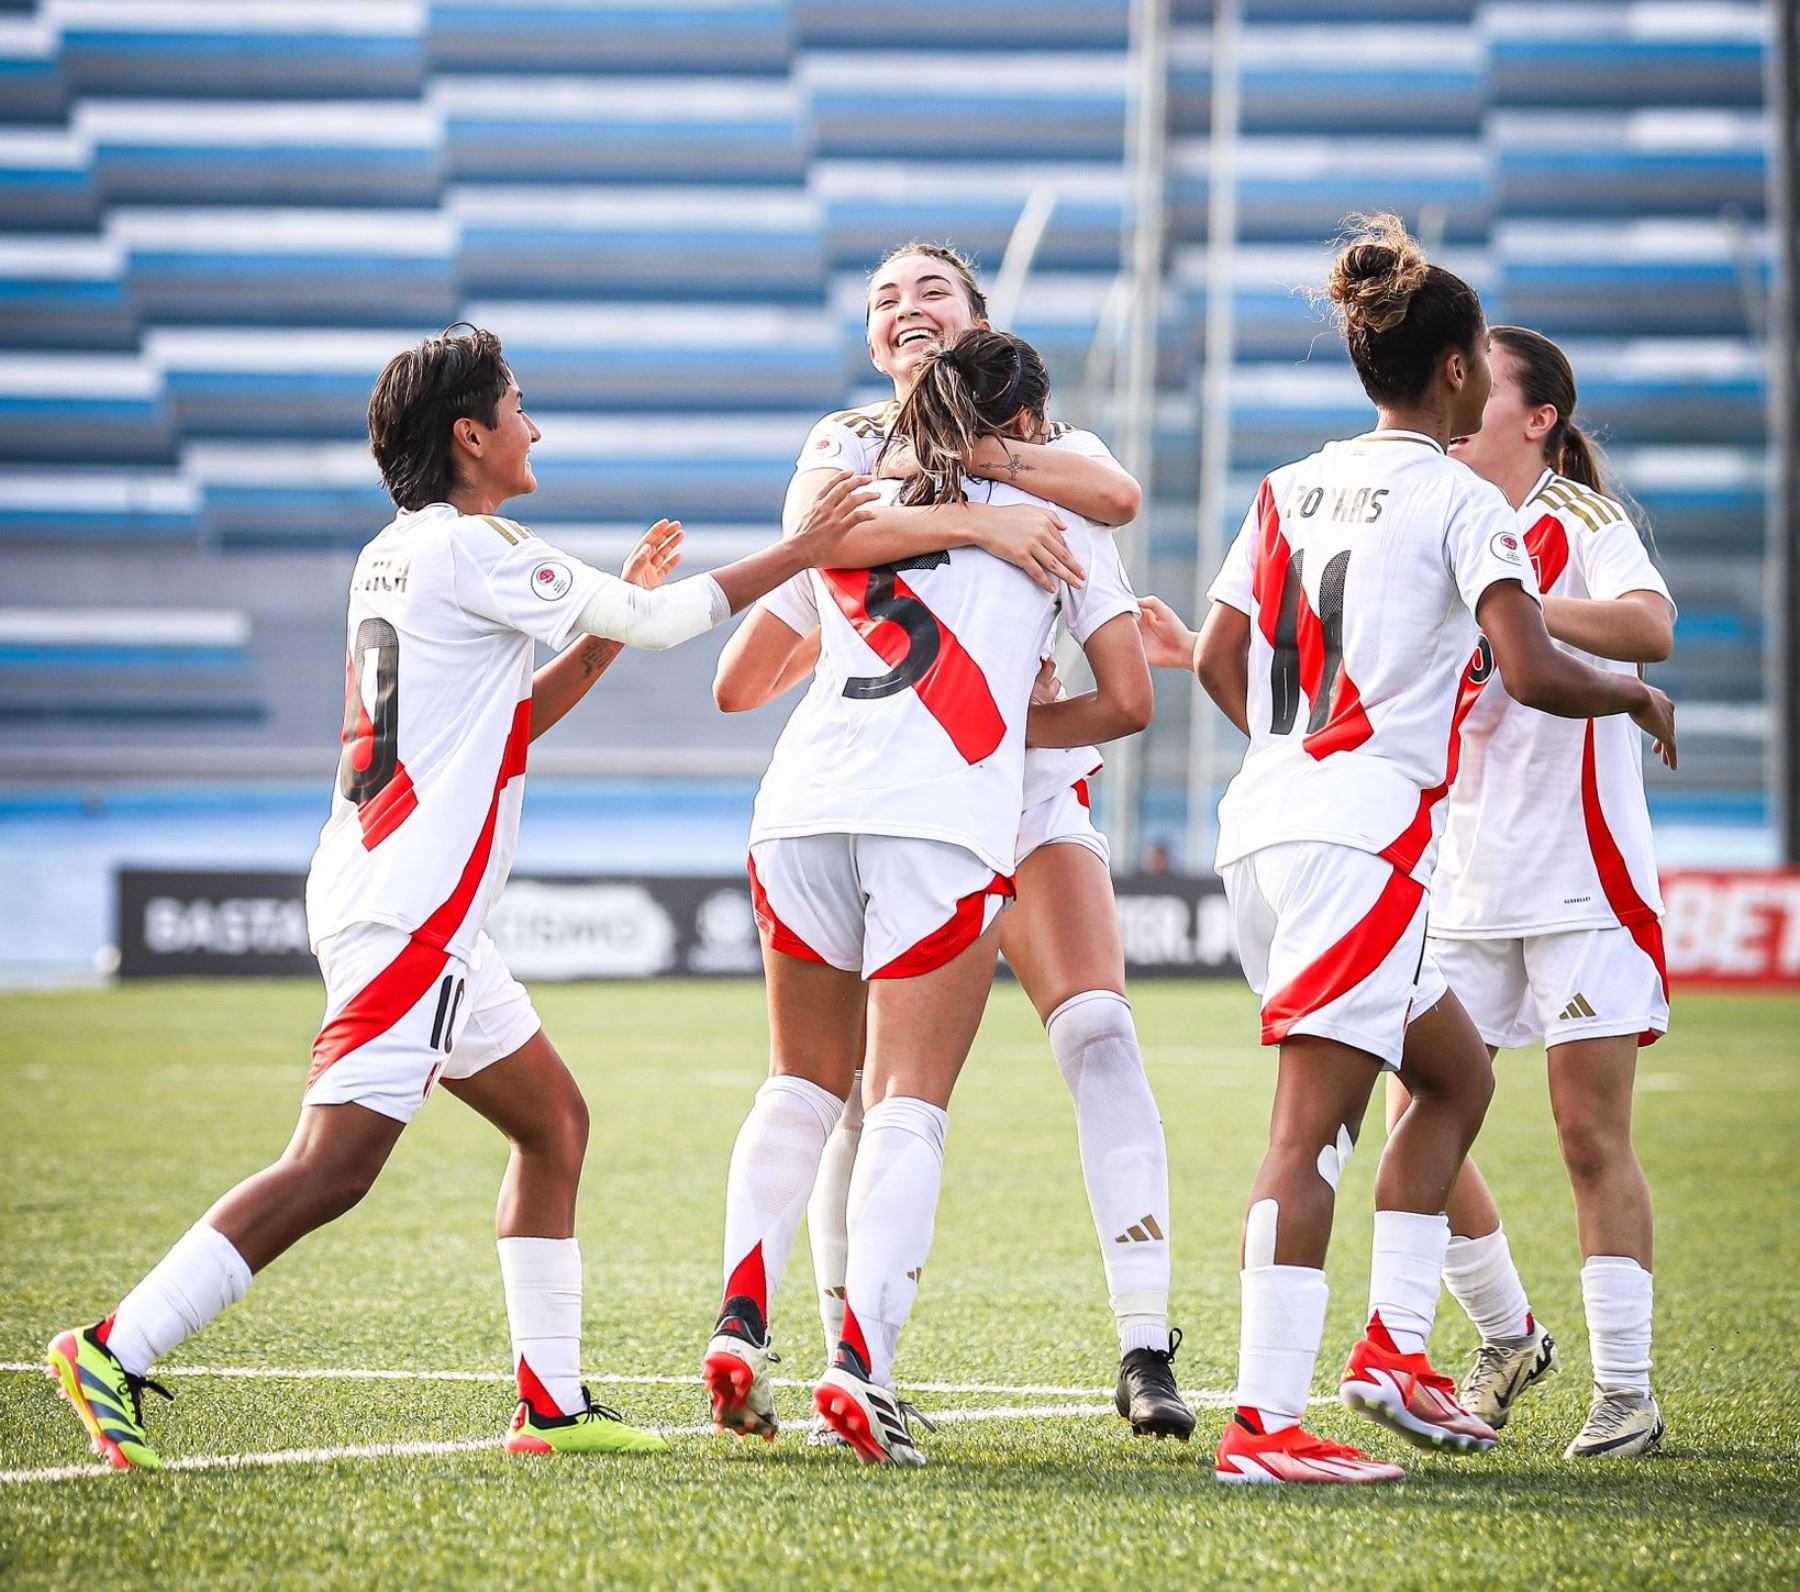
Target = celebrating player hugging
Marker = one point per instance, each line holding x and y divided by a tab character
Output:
441	704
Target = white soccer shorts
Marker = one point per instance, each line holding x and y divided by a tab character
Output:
399	1015
884	906
1333	940
1582	984
1061	820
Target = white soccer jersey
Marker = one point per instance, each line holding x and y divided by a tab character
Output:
1548	829
444	611
915	720
851	440
1360	568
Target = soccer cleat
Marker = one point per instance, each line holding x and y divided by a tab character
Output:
869	1418
1502	1371
107	1397
822	1436
1147	1396
736	1372
1618	1426
1248	1454
594	1429
1402	1391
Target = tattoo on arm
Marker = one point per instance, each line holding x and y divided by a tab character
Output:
597	655
1015	465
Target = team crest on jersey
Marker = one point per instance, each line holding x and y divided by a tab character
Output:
828	445
1505	546
551	580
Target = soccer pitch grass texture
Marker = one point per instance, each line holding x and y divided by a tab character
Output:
124	1113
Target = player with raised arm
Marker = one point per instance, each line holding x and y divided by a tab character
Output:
1545	915
1339	641
882	848
447	605
1061	935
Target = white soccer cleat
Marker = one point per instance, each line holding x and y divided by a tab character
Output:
1502	1371
736	1373
822	1436
1618	1425
871	1420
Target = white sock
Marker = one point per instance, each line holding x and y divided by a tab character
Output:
1278	1340
1481	1277
827	1215
773	1165
1618	1294
190	1285
542	1281
1405	1271
893	1207
1124	1160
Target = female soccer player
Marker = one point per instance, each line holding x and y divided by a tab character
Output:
446	606
1545	915
1341	630
1061	936
882	848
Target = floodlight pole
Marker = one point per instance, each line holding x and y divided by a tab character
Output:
1147	126
1215	407
1782	672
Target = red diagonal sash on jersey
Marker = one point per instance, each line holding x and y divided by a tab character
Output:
952	687
1548	544
1406	850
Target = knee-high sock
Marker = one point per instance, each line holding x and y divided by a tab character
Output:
1124	1160
1618	1294
773	1165
827	1215
893	1207
1481	1277
542	1281
1406	1268
198	1278
1278	1340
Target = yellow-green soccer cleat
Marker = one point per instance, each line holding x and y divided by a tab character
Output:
593	1430
107	1397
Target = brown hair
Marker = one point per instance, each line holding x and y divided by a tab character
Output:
1545	377
420	396
1400	313
969	389
961	267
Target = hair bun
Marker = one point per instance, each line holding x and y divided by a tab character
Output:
1376	273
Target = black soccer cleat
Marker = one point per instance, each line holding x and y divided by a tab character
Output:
1147	1395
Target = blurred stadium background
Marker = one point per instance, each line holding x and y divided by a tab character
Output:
219	217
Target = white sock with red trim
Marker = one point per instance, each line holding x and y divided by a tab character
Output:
1405	1272
1282	1322
827	1215
892	1211
542	1281
201	1276
1481	1277
773	1165
1618	1295
1124	1161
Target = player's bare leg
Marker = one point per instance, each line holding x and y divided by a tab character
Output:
1061	938
815	1041
920	1031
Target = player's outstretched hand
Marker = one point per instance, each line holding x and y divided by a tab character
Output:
838	510
1029	538
1168	643
657	552
1656	718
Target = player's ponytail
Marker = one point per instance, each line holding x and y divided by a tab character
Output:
971	388
1399	313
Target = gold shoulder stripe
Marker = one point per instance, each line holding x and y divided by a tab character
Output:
1059	429
1604	509
855	420
1563	495
504	529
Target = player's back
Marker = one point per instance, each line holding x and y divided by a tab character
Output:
1360	567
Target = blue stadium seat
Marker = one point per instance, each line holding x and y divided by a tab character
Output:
1696	390
343	152
82	406
1707	503
1018	107
80	504
285	49
1661	162
31	73
526	130
609	35
47	182
1012	26
271	382
290	267
728	244
1582	57
1636	277
64	293
270	495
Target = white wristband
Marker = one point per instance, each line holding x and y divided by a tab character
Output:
1194	658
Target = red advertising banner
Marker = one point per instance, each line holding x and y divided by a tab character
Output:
1732	928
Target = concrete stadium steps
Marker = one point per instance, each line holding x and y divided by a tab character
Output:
640	36
31	68
83	407
65	293
47	181
1008	26
1703	504
1584	56
60	508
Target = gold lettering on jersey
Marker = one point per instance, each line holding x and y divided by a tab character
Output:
386	574
1351	505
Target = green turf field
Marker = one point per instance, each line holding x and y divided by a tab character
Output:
123	1113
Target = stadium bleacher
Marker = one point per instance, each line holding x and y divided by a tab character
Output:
217	220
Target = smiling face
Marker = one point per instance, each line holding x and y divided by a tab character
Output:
497	459
916	302
1510	431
